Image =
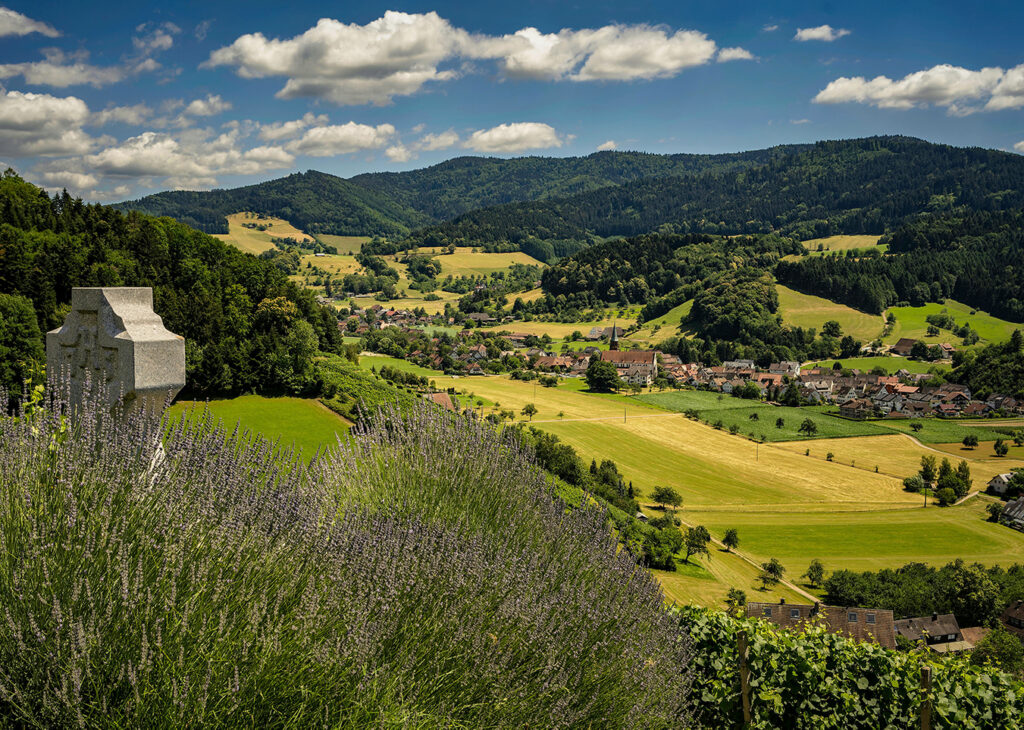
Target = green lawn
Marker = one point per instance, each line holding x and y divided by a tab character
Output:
299	422
367	362
808	311
910	322
760	418
663	327
890	364
870	540
941	431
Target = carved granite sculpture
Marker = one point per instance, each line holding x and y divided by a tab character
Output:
113	337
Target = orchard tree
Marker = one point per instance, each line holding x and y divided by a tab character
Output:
970	441
815	574
667	497
529	410
1000	447
731	540
927	471
809	427
771	573
696	542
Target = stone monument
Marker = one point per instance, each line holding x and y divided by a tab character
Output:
112	338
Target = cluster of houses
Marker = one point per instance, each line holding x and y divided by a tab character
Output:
1013	513
940	633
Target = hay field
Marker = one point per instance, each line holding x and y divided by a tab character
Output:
841	243
466	263
256	242
806	310
345	244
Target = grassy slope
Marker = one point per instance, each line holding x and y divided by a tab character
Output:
344	244
900	456
871	540
466	263
256	242
805	310
773	494
890	364
910	322
841	243
306	424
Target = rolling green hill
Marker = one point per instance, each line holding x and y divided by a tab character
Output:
314	202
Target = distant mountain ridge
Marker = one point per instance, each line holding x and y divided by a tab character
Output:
393	203
866	186
869	185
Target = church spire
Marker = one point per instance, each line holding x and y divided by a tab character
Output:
614	342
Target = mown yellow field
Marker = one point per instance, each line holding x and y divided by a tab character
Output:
256	242
466	263
333	264
344	244
899	455
806	310
708	584
709	467
841	243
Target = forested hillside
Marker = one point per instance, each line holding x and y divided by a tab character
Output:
864	186
466	183
976	257
314	202
247	328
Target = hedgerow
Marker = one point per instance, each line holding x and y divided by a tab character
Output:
817	679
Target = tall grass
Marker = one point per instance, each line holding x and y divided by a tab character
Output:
423	576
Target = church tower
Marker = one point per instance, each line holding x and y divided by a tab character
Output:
613	344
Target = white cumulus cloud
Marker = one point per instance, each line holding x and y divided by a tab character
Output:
190	159
734	54
341	139
434	142
399	153
1019	146
287	130
61	70
135	114
960	90
14	23
821	33
605	146
514	137
213	104
41	124
399	53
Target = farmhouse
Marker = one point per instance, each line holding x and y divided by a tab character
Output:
939	632
634	366
860	409
999	483
903	346
861	624
1013	514
1013	618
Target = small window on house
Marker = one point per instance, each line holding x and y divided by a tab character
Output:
768	612
950	637
851	617
794	613
871	618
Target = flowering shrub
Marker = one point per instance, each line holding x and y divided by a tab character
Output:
817	679
424	575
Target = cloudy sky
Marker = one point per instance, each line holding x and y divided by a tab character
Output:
114	100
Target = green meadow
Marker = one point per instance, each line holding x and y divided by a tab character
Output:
911	323
298	423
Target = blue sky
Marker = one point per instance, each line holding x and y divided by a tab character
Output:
118	99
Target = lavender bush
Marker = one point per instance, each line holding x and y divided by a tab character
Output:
421	576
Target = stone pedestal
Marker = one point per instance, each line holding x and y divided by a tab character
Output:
113	338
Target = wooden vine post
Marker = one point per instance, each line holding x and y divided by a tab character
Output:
742	647
926	697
